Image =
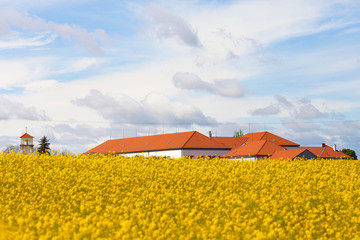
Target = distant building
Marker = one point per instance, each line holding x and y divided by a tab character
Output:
255	146
184	144
26	143
292	154
254	150
251	146
327	152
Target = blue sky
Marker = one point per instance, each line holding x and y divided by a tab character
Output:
81	72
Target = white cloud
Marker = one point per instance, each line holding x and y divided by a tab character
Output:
154	109
30	73
266	111
12	17
27	42
302	109
16	110
168	25
78	65
222	87
14	73
42	85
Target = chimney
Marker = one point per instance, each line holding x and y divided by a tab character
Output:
210	134
323	149
334	147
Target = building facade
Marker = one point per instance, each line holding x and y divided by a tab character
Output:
26	143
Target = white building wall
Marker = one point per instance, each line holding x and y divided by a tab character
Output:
26	141
203	152
246	158
166	153
178	153
26	145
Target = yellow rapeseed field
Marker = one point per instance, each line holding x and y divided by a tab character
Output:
113	197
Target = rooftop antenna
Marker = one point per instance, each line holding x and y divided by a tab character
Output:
26	129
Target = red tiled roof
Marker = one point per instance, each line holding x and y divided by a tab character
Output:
26	135
183	140
270	137
255	148
326	152
291	154
231	142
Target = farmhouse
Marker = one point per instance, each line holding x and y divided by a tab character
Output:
292	154
251	146
183	144
258	145
254	150
327	152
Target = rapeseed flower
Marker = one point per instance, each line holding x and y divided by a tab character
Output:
116	197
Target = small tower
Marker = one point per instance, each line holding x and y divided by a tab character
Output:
26	143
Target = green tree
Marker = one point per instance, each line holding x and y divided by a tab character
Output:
349	152
44	146
238	133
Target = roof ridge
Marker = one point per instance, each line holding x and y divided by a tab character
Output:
261	146
189	139
263	135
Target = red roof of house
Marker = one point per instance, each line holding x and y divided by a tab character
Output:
183	140
26	135
270	137
326	152
231	142
291	154
255	148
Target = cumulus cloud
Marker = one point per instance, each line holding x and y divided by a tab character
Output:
10	17
222	87
168	25
15	110
154	109
75	138
306	110
302	109
266	111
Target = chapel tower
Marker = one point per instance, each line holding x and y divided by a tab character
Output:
26	143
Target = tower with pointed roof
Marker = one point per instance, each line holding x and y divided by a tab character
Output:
26	143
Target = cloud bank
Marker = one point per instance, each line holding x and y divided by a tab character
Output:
15	110
154	109
302	109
